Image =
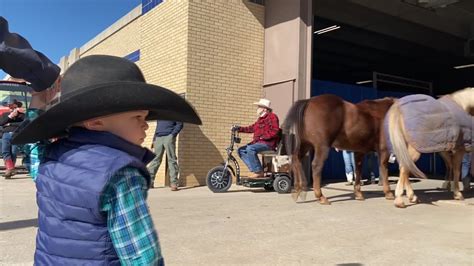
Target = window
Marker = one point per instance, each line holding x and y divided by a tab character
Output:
258	2
134	57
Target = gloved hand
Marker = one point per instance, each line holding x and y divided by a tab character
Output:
235	127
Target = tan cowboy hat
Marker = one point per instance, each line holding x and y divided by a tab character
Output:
264	103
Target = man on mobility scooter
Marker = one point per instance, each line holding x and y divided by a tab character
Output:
265	137
265	142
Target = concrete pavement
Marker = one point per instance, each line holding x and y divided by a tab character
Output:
252	227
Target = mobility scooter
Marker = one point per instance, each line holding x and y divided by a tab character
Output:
219	178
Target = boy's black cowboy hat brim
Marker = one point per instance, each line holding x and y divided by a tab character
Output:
105	99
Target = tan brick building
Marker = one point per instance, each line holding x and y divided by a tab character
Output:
211	52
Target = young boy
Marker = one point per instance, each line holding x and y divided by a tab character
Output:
92	184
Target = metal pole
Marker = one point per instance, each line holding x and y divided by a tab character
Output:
374	80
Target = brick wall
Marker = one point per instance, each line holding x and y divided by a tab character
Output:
120	43
213	52
163	58
225	76
121	39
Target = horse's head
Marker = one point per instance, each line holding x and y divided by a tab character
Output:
465	98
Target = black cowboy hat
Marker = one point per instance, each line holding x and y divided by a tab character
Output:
100	85
20	60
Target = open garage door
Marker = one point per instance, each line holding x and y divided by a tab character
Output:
422	40
365	49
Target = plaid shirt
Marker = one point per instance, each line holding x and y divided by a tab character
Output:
128	219
265	130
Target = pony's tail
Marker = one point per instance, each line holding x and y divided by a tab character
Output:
294	120
299	178
399	142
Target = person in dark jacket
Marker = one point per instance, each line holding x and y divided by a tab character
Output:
266	135
165	139
93	183
10	122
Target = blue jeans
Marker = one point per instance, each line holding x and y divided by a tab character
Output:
248	154
349	162
466	165
372	163
8	150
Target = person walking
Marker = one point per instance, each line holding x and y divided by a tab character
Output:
165	140
349	166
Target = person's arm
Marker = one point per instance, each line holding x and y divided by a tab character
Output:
129	222
4	119
273	129
14	124
177	128
247	129
154	135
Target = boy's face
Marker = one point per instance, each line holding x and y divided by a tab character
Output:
130	126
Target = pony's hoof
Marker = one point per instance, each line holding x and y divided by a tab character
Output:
458	196
399	203
359	197
414	199
446	185
389	196
295	195
324	201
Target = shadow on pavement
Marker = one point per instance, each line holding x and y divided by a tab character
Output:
425	196
253	190
12	225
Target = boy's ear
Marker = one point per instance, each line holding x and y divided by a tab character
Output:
94	124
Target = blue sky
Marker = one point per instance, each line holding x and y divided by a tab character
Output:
54	27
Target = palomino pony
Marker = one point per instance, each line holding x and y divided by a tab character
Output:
327	121
420	124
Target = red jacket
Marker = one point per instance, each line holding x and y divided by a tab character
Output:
265	130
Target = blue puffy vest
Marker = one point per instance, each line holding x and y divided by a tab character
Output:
72	229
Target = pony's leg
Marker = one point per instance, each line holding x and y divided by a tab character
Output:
359	157
415	155
448	177
320	156
456	164
410	193
400	187
299	180
383	169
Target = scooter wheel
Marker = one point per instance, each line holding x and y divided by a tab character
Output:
282	184
216	181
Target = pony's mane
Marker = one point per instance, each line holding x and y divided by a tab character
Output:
465	98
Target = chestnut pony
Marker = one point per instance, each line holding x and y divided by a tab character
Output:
326	121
